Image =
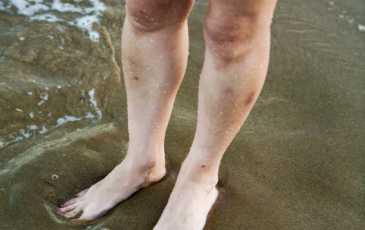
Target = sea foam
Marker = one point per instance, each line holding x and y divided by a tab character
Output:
40	10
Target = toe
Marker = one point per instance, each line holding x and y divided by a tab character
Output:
73	213
74	200
69	202
68	208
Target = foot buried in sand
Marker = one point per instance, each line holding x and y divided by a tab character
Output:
188	206
117	186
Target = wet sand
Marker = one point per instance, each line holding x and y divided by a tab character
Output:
298	162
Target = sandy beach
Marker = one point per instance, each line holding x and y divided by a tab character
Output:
297	163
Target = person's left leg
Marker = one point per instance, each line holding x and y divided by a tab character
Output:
237	35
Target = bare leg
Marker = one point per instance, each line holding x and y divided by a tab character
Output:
155	48
237	34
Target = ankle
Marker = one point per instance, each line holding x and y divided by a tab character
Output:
143	154
200	174
145	162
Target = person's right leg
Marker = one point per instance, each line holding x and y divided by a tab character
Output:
154	55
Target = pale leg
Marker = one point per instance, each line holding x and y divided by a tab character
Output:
236	62
154	55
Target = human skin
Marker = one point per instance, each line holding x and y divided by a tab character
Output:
154	55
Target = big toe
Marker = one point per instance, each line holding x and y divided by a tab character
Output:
69	202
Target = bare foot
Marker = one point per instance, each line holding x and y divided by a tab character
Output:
118	185
188	205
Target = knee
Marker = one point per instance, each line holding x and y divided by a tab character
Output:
230	33
157	14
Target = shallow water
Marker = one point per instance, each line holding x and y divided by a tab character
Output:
298	162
